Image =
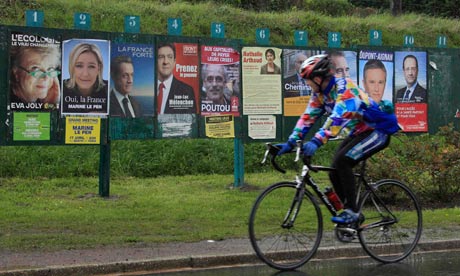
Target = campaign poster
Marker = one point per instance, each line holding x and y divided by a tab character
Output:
411	90
132	76
178	78
220	73
177	88
35	69
261	80
262	126
82	130
376	74
31	126
85	75
220	126
344	63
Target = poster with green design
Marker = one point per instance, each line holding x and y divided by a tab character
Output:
31	126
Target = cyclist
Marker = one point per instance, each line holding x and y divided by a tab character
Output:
366	124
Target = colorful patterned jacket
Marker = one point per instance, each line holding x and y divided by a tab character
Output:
342	99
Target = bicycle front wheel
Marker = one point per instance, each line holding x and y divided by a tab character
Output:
393	221
279	240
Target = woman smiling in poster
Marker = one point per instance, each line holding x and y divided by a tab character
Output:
34	75
86	90
270	67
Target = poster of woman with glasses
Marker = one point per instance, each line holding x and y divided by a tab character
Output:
35	67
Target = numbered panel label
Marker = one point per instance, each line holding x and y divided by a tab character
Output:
132	24
82	21
375	38
34	18
441	42
409	40
334	40
301	38
174	26
217	30
263	36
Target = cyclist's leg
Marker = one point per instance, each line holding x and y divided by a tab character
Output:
333	176
358	148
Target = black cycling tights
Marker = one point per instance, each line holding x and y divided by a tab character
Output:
342	178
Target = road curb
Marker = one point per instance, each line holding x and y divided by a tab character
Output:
208	261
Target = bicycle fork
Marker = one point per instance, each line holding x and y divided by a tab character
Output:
293	210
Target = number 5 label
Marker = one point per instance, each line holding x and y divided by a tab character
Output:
132	24
217	30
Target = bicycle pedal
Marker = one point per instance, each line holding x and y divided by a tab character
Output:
348	230
345	234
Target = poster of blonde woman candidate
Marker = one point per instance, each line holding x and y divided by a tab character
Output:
85	87
220	74
261	80
35	68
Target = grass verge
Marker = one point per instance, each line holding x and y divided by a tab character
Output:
52	214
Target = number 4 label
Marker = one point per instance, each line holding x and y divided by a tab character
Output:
174	26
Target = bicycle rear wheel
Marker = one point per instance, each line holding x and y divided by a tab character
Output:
278	243
393	221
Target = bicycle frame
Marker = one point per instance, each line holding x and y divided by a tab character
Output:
275	231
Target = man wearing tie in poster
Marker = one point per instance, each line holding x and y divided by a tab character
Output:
121	103
174	96
295	85
413	92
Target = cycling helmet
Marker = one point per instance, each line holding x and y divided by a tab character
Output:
316	66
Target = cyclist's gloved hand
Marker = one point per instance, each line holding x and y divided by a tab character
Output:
287	147
311	146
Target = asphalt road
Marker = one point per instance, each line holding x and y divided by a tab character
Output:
204	254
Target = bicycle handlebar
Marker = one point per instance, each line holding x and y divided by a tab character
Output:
274	149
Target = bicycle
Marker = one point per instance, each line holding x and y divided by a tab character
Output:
286	223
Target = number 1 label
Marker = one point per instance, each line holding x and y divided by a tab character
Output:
34	18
